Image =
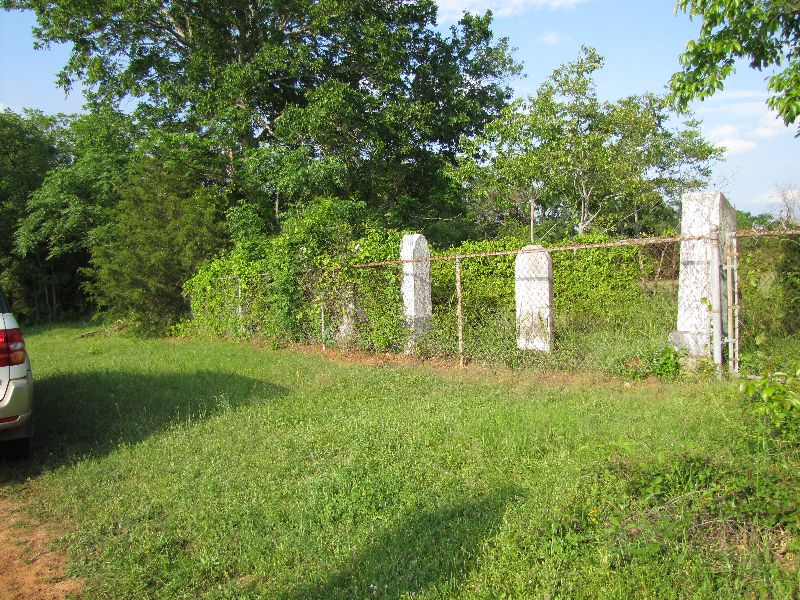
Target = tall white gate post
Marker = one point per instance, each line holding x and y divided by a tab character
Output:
416	285
533	287
702	289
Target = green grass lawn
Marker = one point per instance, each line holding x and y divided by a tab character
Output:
216	469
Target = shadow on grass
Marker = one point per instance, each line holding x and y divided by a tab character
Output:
434	548
83	415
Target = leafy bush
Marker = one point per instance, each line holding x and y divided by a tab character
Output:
303	285
164	226
363	307
272	286
769	276
596	280
663	363
776	398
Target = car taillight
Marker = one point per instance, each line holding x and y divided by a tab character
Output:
12	347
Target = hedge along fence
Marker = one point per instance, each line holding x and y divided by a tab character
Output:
295	287
769	282
605	317
614	306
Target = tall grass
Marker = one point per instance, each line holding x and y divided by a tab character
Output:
177	468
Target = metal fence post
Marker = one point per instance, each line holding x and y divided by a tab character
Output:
716	302
460	313
729	280
736	302
322	321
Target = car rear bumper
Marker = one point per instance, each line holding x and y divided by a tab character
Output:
17	402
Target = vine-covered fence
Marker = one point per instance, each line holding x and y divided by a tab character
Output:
722	297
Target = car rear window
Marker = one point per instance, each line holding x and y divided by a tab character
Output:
3	305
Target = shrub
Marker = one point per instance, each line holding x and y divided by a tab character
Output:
272	286
769	276
596	280
776	398
165	225
379	322
297	285
303	284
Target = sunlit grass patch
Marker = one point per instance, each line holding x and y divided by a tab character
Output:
220	470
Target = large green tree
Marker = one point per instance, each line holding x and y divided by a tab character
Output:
581	162
62	213
33	145
371	86
166	222
766	33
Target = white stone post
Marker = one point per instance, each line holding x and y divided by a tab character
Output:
702	289
346	332
416	285
533	282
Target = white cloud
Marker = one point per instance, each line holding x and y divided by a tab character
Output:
723	131
771	126
741	117
552	38
743	104
737	145
739	95
731	139
451	10
739	110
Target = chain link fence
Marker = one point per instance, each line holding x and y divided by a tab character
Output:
613	307
768	299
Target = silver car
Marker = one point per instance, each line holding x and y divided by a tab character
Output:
16	385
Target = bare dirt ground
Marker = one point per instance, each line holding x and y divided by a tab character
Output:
29	567
474	371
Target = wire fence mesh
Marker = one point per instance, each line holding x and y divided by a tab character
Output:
609	309
769	299
612	307
620	307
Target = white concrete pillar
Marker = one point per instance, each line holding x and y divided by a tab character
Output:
416	285
702	289
533	280
351	313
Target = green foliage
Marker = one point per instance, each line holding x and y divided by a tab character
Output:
306	99
769	278
241	471
75	199
700	487
282	287
746	220
379	321
488	283
33	145
303	285
567	156
663	363
776	398
594	280
163	227
604	321
763	32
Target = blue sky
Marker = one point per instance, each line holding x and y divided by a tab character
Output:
640	39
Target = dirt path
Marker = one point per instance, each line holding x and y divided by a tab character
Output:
29	568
